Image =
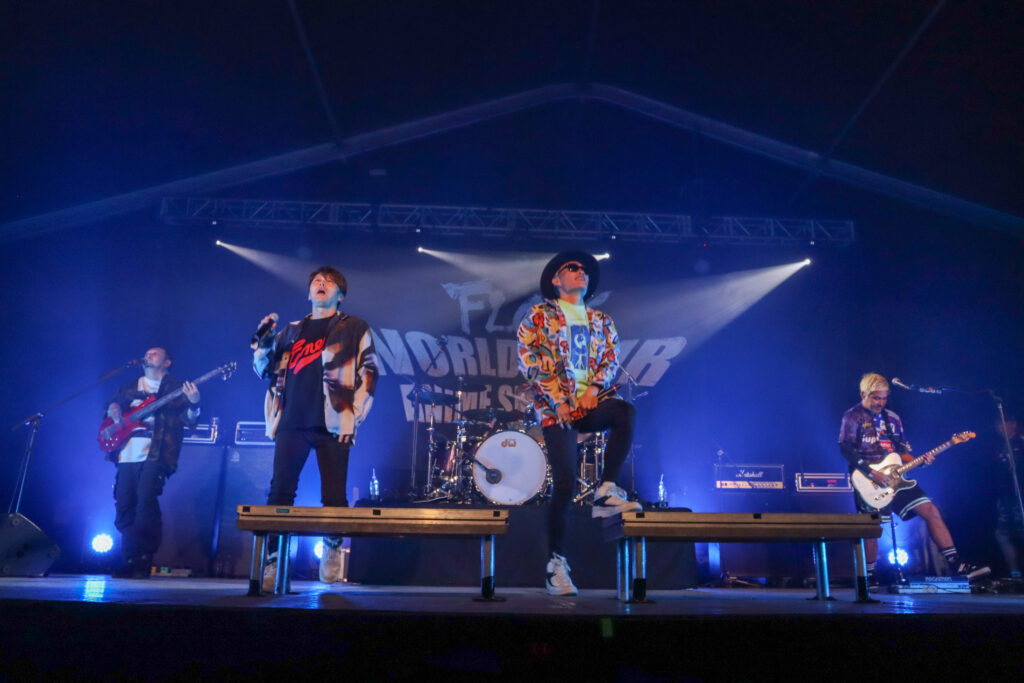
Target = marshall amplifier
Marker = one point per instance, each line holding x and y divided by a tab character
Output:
749	477
252	434
203	433
807	482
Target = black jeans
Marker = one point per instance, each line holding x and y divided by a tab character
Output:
291	448
136	492
615	415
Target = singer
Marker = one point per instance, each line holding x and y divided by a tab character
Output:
569	353
323	372
146	460
868	432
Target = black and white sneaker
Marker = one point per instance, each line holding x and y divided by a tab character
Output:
610	500
970	571
558	581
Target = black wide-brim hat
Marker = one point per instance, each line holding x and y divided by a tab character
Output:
588	262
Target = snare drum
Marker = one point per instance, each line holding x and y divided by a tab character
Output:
510	468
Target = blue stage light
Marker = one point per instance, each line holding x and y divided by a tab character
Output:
901	556
318	550
102	543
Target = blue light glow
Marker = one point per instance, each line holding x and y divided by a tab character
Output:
102	543
318	550
901	556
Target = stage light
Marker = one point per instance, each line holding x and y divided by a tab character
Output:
602	257
419	250
219	243
806	262
102	543
901	556
318	550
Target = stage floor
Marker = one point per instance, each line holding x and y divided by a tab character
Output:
95	627
313	595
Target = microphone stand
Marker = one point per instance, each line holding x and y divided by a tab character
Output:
1009	451
35	420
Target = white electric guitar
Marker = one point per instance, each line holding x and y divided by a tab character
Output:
879	496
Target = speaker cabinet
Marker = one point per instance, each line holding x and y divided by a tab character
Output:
190	505
24	548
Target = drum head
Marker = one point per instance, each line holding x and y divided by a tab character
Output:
510	468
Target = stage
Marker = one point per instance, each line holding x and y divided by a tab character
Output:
79	626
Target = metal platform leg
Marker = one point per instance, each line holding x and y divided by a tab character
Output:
283	564
638	570
860	571
259	540
487	570
622	571
821	571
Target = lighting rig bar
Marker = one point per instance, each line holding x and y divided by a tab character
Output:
469	221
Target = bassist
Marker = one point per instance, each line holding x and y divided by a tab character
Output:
868	433
146	459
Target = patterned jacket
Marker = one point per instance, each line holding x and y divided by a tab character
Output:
168	423
544	356
350	373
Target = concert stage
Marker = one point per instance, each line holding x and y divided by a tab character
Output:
90	627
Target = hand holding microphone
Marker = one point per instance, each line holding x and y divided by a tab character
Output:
263	331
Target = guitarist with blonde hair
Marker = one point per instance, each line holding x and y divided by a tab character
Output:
868	433
147	458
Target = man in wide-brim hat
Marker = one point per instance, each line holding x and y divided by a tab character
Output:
569	353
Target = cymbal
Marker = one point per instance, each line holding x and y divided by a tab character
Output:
493	415
432	397
458	383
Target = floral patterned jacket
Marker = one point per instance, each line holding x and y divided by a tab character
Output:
544	356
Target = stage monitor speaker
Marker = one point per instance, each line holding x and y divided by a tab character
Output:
190	504
24	548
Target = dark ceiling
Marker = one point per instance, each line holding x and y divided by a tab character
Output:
106	98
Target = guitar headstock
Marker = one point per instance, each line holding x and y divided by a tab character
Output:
227	370
962	437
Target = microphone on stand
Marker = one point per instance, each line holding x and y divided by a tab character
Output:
263	329
913	387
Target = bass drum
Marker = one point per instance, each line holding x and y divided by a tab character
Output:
509	468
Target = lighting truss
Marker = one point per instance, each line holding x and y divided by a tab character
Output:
470	221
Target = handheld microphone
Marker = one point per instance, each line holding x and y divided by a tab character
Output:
263	329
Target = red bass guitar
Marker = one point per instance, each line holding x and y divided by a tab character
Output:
113	434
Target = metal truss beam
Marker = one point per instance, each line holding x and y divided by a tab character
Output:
508	223
406	132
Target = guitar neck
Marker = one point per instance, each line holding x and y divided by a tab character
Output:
164	400
919	460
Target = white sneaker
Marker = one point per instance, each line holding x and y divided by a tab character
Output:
610	499
330	562
558	581
269	574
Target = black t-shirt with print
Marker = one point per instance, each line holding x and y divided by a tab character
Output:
304	384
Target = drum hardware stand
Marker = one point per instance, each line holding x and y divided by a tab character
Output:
1009	451
631	385
442	344
586	484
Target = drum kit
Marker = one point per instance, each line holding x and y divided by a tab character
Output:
490	455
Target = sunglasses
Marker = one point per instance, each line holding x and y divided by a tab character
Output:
572	268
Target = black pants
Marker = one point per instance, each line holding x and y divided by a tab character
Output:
291	448
615	415
137	489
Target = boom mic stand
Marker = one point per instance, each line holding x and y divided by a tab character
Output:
18	528
1009	451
